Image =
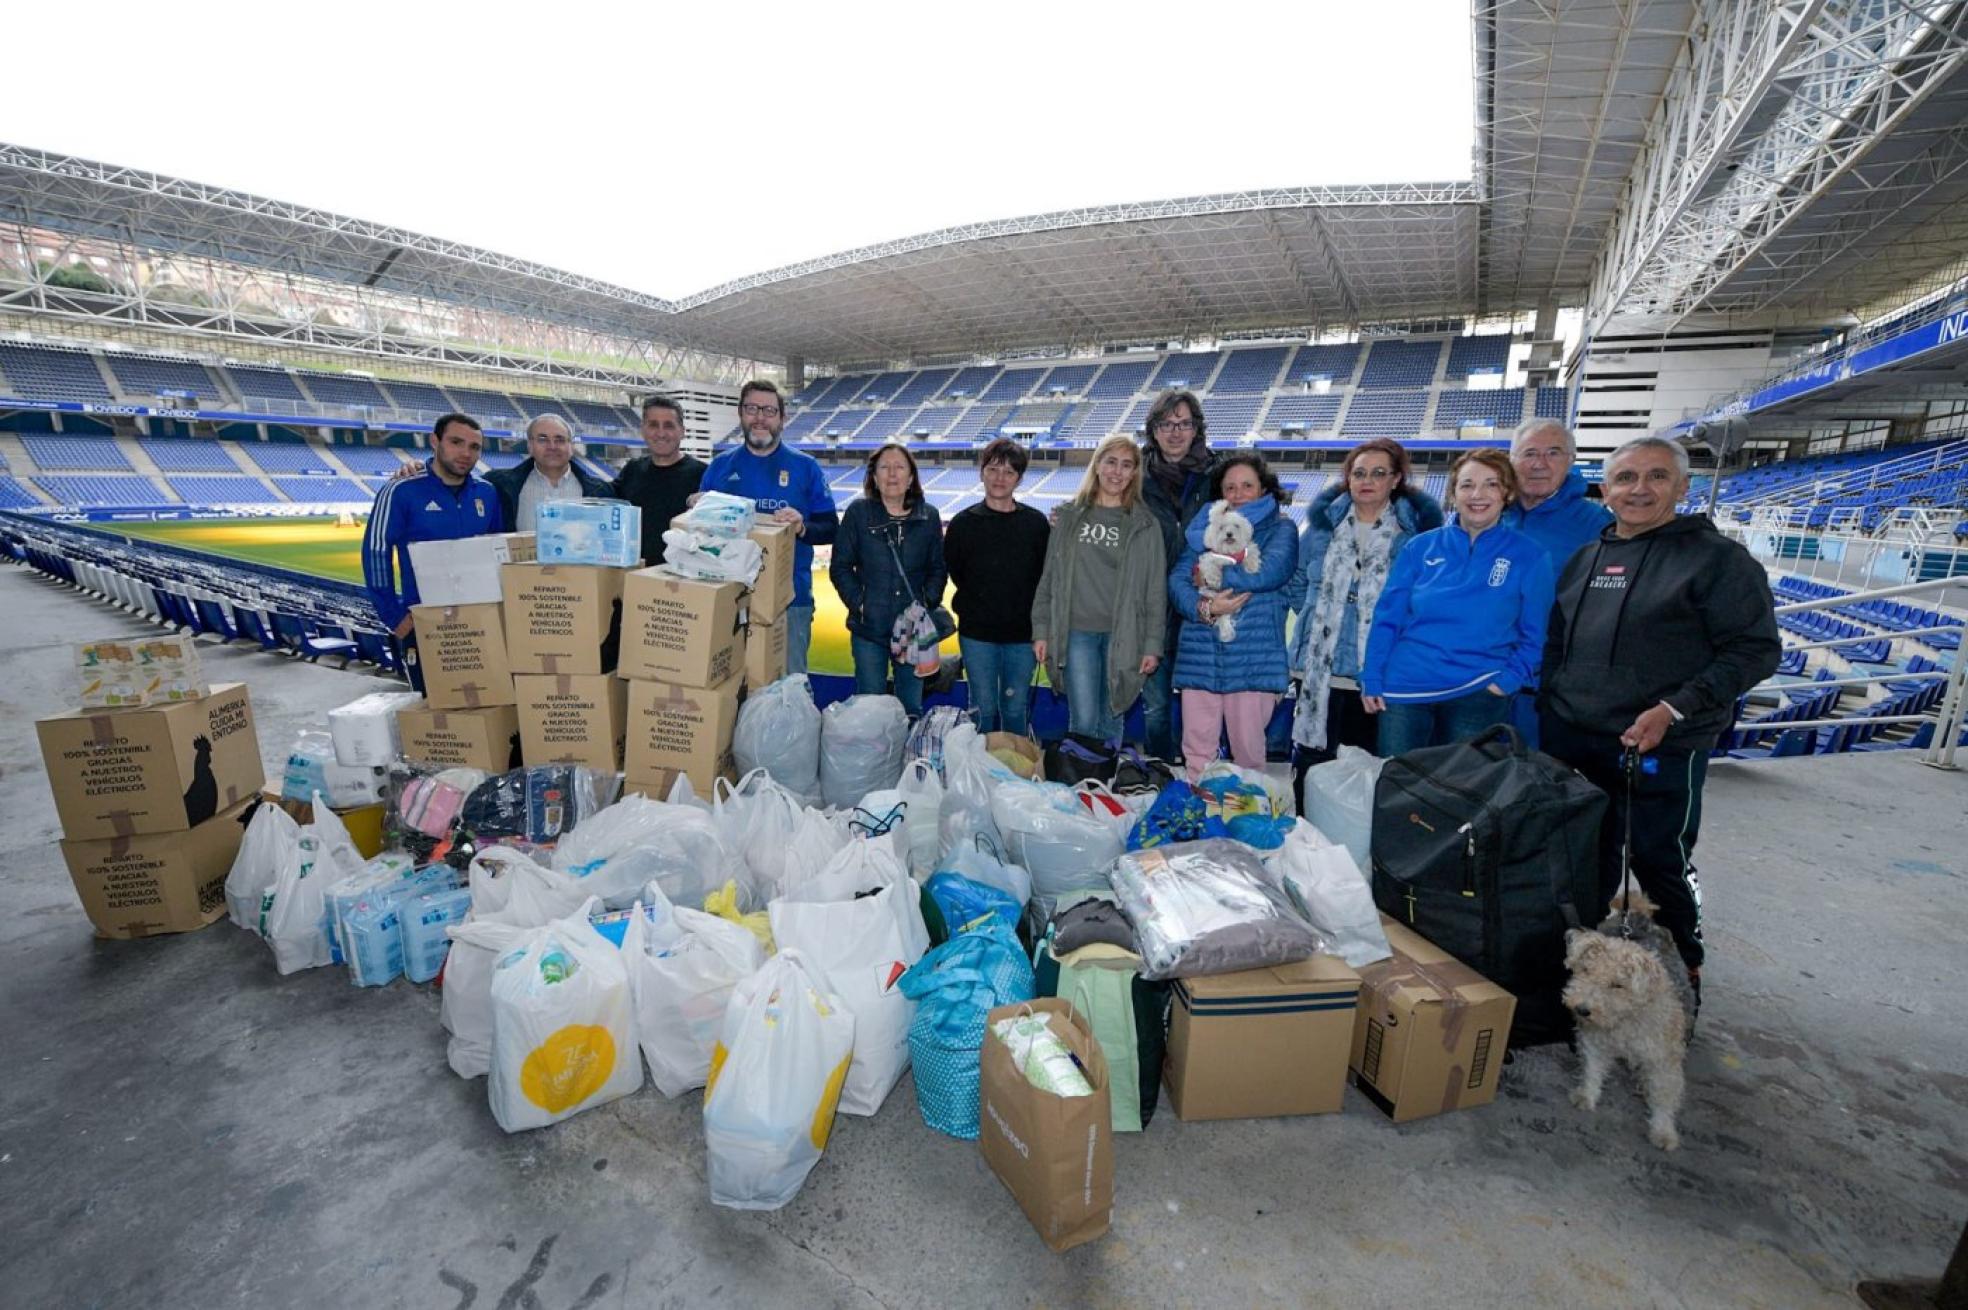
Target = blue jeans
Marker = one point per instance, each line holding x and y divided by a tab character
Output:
799	635
1000	677
1086	687
1156	698
1405	727
871	668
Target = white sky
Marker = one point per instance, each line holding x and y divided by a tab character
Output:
669	148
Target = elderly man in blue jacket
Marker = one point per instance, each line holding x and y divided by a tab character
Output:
1551	510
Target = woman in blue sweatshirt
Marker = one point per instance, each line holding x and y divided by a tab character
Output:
1460	623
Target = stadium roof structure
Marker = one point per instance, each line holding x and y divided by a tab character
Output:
1646	159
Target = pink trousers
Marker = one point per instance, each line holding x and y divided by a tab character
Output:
1205	715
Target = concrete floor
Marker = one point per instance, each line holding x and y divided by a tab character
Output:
181	1126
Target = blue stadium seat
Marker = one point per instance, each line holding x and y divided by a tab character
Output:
51	373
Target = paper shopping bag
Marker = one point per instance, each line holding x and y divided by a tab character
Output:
1055	1153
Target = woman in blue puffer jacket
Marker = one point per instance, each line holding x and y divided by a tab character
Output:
1234	683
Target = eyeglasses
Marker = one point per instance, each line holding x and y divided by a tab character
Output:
1175	427
1370	475
758	411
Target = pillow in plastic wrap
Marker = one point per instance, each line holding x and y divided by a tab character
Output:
1208	907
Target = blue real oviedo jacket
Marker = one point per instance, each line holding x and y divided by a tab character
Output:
1255	659
1457	615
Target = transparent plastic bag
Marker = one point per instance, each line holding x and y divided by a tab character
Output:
718	514
964	818
921	789
538	804
861	742
758	819
1332	894
638	841
1339	800
1208	907
779	730
1053	836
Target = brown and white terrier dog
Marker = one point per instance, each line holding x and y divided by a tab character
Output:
1630	993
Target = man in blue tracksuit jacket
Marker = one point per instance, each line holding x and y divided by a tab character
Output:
1551	509
446	502
1460	624
787	485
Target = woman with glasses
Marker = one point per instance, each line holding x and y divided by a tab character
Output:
1353	532
1177	461
888	555
1234	684
1460	625
1099	618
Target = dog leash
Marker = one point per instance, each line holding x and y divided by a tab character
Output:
1630	765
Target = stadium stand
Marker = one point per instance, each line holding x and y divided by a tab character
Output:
236	490
1250	372
922	386
806	423
1502	410
51	373
887	421
842	388
1482	353
1186	369
933	420
419	396
975	422
15	496
74	452
883	389
369	459
1552	402
151	375
493	408
1304	413
1066	380
256	383
91	490
1088	423
1232	416
329	491
1395	364
1385	413
1010	386
342	389
589	416
969	383
285	457
179	456
1121	381
1337	362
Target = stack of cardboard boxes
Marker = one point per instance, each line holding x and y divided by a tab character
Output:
150	801
613	668
689	648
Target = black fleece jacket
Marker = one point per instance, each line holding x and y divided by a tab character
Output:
1680	614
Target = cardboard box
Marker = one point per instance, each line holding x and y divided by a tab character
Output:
117	773
485	738
466	571
765	653
566	718
675	729
590	532
1054	1153
1431	1031
1262	1042
157	882
680	630
563	618
462	649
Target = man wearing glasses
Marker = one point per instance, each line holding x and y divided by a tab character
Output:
662	480
786	485
547	473
1551	510
1176	464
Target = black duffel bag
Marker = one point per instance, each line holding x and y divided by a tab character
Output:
1491	852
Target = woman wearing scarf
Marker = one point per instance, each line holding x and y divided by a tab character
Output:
1176	464
1234	683
887	557
1353	531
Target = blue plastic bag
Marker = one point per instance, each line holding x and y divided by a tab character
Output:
1180	813
966	902
955	987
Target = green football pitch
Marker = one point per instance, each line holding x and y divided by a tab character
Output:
319	547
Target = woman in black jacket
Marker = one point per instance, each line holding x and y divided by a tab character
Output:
889	555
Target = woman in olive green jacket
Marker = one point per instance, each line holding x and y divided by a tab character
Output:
1099	616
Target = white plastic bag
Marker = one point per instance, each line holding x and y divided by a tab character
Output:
681	992
815	841
563	1026
965	814
921	788
711	558
294	919
718	514
980	864
1339	797
758	820
1277	788
637	841
782	1056
1048	831
778	730
510	895
861	946
1328	889
271	843
861	742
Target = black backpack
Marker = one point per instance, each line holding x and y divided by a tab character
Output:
1491	852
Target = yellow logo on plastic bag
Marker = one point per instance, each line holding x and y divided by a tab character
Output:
823	1114
568	1067
718	1053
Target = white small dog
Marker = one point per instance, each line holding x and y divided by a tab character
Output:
1629	992
1228	541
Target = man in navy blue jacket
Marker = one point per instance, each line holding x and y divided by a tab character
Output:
446	502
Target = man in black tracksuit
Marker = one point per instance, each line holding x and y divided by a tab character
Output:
1659	626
